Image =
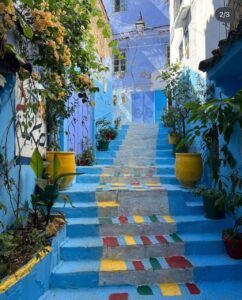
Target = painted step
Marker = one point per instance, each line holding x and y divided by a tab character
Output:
122	247
195	207
186	291
94	273
216	267
144	153
122	225
206	243
145	180
88	209
89	178
105	154
105	161
200	224
76	194
143	161
139	170
138	225
89	169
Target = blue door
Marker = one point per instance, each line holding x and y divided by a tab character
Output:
143	107
160	105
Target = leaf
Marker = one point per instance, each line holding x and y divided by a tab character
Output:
56	167
37	164
28	32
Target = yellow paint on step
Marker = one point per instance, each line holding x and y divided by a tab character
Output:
110	265
105	175
139	219
153	184
118	184
168	219
170	289
129	240
23	271
105	204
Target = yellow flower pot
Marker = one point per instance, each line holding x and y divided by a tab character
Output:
172	138
189	169
67	165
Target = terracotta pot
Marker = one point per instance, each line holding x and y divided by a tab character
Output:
233	247
67	165
188	169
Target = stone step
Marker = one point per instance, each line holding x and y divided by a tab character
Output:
137	170
132	225
184	291
93	273
122	247
88	209
125	246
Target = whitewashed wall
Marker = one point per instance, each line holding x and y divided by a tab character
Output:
204	32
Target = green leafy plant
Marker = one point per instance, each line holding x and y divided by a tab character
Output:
86	158
105	132
169	119
7	247
48	190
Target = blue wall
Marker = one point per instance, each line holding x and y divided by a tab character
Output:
27	177
146	54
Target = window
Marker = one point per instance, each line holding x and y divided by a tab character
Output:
119	63
120	5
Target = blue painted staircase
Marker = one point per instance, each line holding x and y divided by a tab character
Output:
134	233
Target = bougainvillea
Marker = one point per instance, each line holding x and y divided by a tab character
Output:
55	37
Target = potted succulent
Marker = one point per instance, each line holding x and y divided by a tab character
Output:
105	133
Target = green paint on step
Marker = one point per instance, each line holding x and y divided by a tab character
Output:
176	238
154	219
144	290
155	263
105	221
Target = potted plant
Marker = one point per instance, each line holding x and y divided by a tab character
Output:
105	133
232	237
211	120
188	165
86	158
169	120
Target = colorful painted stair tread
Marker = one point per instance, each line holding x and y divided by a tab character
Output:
153	263
166	290
127	240
133	186
123	220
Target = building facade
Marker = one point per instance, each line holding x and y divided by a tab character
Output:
80	129
141	30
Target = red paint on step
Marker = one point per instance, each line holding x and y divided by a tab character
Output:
138	265
123	220
110	242
193	289
178	262
124	296
161	239
145	240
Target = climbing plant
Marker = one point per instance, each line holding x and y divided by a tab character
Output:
54	39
